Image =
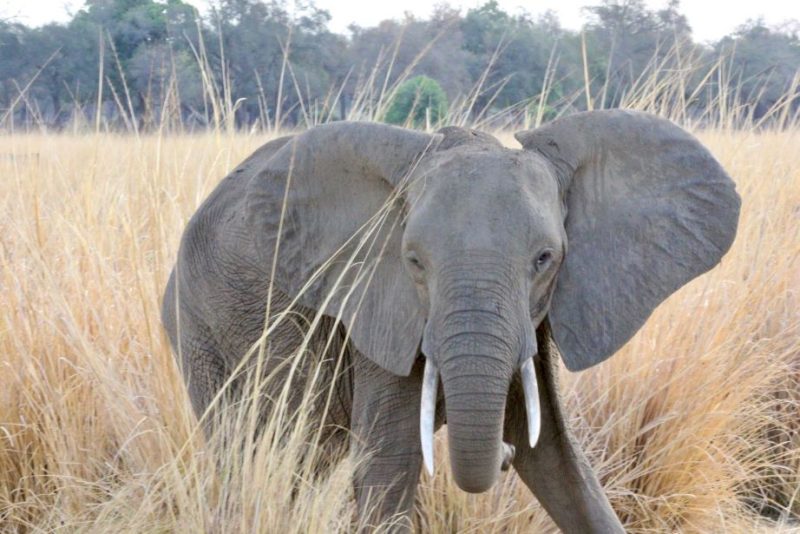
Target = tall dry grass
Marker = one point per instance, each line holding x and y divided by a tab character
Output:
694	426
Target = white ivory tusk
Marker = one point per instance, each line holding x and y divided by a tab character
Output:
427	415
531	389
508	456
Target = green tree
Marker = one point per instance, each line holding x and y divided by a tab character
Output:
418	101
764	61
494	65
13	39
411	47
518	51
624	38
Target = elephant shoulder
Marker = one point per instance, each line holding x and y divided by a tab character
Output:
218	224
217	252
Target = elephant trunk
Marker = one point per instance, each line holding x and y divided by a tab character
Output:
475	391
479	339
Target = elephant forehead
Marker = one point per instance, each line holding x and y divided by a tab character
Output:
484	180
492	193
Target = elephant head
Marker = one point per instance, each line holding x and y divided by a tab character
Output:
452	244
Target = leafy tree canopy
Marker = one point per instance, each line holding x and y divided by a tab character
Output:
418	101
272	62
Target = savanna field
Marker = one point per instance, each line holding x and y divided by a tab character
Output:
693	427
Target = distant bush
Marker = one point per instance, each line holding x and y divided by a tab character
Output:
418	100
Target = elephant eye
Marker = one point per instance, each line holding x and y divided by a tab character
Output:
543	260
414	260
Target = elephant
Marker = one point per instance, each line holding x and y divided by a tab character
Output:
452	272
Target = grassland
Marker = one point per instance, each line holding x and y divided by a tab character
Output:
694	426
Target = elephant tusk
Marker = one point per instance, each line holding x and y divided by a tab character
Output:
531	389
508	456
430	383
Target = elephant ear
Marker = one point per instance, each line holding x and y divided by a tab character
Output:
647	209
328	201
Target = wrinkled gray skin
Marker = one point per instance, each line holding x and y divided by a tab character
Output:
485	255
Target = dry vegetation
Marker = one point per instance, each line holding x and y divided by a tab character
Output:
694	426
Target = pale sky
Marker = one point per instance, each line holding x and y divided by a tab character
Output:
710	19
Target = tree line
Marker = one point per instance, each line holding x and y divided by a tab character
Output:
146	64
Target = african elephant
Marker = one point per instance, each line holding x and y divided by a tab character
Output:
453	262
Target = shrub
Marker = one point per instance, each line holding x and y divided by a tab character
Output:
418	101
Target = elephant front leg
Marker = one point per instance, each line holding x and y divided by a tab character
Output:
385	424
556	470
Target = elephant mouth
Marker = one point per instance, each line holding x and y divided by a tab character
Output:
430	384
